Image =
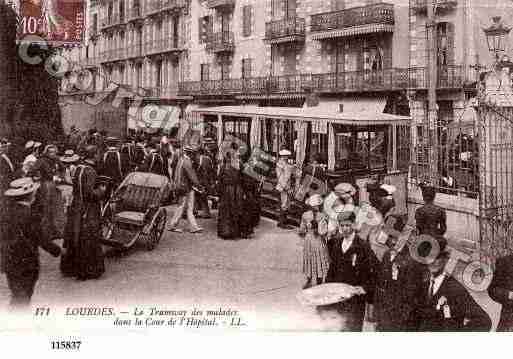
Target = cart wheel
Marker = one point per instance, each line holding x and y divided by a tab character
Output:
156	232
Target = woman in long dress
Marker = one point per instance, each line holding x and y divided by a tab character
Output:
314	226
231	197
84	259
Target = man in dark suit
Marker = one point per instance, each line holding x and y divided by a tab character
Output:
7	167
399	285
353	263
207	178
430	219
446	304
501	290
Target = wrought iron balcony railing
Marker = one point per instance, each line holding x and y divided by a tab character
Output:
220	42
113	20
113	55
392	79
365	15
161	91
420	6
169	44
286	30
220	4
157	6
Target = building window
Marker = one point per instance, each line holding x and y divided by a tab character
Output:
205	29
290	8
338	5
246	68
95	23
445	43
247	19
121	10
138	75
205	72
225	70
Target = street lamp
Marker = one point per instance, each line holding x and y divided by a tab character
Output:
495	36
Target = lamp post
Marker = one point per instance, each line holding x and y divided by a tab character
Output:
495	37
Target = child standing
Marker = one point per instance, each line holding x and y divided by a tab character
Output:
314	226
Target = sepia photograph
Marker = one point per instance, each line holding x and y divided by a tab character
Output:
229	166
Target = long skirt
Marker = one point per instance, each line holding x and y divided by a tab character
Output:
22	271
84	258
316	259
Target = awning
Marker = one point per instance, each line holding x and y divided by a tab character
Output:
369	116
354	30
352	105
284	39
143	117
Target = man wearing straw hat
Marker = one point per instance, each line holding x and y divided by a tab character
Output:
23	234
284	174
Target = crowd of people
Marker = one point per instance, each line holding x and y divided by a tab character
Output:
51	192
395	290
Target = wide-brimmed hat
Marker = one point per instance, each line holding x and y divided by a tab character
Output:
285	153
314	200
20	182
29	145
345	188
70	156
191	148
388	188
27	188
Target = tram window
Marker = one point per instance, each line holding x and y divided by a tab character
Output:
278	135
343	150
359	149
377	149
237	128
319	146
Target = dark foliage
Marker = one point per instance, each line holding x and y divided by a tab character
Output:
32	110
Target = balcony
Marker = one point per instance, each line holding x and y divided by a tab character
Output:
158	6
377	18
112	21
393	79
221	4
113	55
286	30
220	42
420	6
166	45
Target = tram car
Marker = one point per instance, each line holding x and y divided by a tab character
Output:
354	147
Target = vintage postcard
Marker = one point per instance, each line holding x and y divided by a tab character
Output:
250	166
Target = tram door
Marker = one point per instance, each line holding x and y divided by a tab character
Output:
278	135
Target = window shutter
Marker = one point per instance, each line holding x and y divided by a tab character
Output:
450	44
201	29
246	20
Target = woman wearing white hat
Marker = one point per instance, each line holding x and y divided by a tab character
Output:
314	226
23	235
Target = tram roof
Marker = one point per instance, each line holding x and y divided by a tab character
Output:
306	114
